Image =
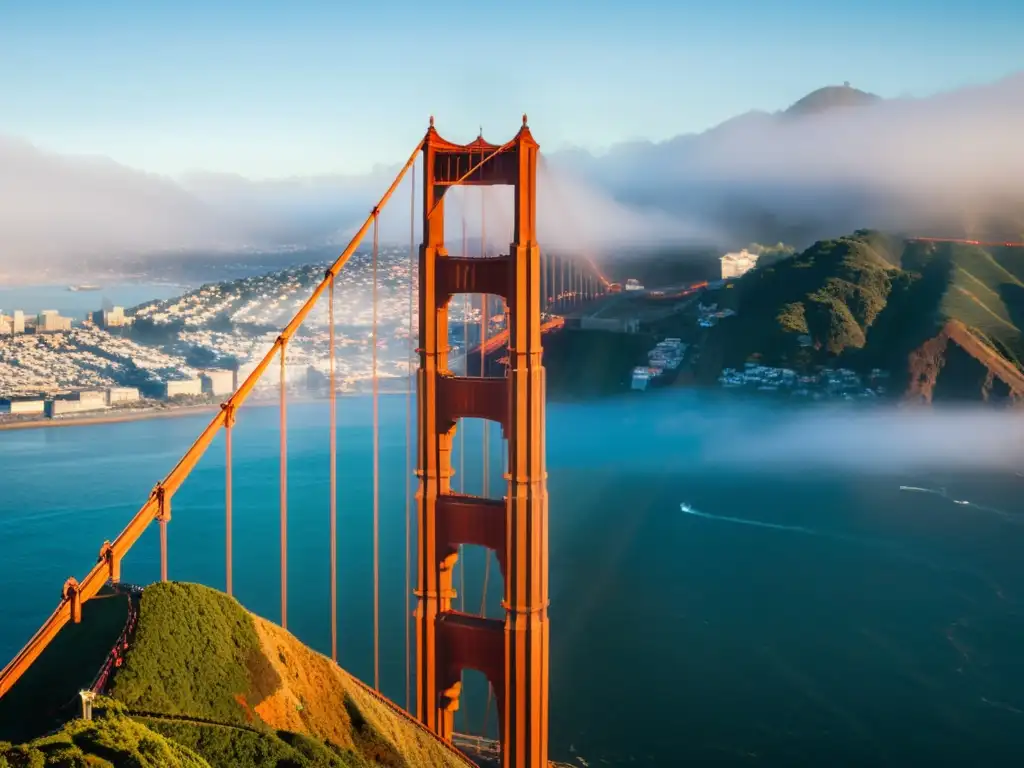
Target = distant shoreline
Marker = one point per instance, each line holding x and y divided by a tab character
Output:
174	411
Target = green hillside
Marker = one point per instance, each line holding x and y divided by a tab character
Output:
984	289
204	682
869	300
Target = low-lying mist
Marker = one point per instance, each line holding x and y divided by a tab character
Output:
886	440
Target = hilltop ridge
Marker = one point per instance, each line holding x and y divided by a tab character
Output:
831	97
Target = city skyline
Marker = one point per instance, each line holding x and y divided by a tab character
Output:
321	90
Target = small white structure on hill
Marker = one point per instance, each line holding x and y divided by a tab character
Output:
737	264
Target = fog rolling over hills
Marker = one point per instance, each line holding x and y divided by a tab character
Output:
56	207
837	160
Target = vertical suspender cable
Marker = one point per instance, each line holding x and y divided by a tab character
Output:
164	504
333	398
284	495
484	327
565	282
227	497
551	282
408	449
376	471
462	425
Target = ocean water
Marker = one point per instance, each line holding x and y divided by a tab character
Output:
799	608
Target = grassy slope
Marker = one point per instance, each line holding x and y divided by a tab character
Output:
195	652
198	654
319	698
105	741
985	295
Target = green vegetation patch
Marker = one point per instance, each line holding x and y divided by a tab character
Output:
195	653
110	741
833	292
242	747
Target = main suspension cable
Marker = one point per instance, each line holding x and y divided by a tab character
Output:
376	471
333	397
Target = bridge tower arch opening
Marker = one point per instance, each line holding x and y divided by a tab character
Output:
512	653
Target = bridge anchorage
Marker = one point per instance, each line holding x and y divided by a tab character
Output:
511	653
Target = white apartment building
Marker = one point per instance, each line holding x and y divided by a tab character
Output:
738	264
218	382
22	405
77	402
122	395
49	320
191	387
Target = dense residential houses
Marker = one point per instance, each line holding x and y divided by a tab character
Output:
663	362
207	341
824	383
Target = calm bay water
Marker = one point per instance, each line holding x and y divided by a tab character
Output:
809	615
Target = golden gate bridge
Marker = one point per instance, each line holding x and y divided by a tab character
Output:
511	652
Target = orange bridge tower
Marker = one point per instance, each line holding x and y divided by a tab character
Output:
512	653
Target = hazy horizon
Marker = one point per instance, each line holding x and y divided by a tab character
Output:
948	160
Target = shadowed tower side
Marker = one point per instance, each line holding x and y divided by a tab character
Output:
511	653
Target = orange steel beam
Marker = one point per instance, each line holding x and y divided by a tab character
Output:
100	573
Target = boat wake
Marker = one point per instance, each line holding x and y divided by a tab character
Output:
761	524
942	493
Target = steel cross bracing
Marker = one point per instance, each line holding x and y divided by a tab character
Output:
512	652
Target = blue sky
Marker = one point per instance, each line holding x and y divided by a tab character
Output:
298	88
